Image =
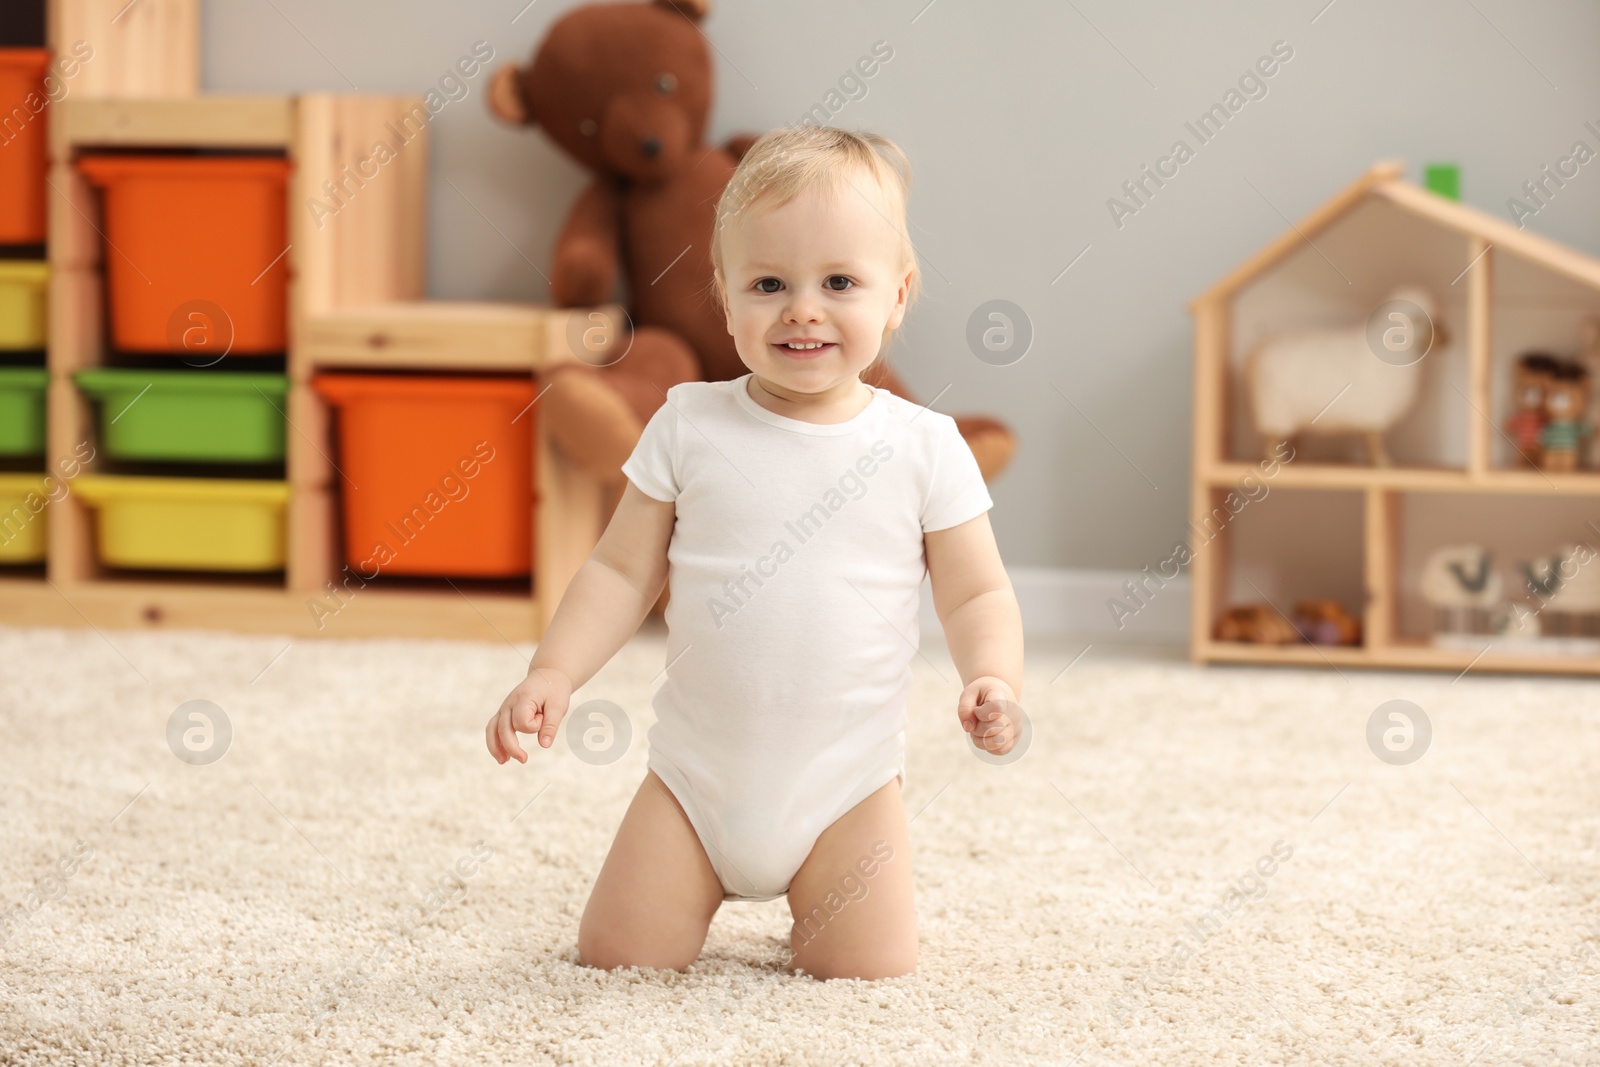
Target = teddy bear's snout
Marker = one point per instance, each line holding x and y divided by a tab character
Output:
643	137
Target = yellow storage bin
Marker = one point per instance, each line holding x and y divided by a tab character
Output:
23	307
22	528
201	524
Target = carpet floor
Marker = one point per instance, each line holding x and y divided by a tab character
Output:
1186	867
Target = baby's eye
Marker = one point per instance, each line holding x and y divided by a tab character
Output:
761	285
839	278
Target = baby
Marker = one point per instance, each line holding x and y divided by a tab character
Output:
795	511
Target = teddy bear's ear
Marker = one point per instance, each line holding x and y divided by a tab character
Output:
695	10
505	97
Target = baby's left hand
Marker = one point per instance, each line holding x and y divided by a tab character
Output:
984	716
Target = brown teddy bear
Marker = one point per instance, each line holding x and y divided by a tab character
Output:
625	90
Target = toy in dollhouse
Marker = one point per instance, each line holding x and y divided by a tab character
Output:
1535	372
1591	362
1568	587
1463	590
1566	405
1257	624
1326	622
1327	381
1557	614
1316	622
1552	426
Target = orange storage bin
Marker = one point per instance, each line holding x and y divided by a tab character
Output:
22	145
438	478
196	262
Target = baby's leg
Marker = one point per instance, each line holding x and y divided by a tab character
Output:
656	894
855	914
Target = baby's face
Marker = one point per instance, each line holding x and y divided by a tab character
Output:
821	268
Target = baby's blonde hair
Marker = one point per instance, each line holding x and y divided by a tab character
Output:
786	161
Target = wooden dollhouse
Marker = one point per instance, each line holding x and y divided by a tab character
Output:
1328	524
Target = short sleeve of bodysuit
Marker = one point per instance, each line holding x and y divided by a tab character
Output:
653	464
956	492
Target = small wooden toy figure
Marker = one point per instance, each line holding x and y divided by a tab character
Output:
1566	404
1534	374
1591	362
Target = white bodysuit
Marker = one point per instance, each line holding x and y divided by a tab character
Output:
794	574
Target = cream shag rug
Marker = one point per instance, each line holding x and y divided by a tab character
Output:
356	881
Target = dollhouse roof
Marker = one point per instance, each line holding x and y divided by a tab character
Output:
1385	180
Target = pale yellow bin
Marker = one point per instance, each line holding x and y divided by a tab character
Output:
24	308
201	524
24	504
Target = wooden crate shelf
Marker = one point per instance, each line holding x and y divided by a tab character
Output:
217	605
247	122
440	334
1482	243
355	303
145	49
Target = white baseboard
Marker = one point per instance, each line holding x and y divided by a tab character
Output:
1071	600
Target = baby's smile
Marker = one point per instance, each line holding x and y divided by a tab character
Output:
805	349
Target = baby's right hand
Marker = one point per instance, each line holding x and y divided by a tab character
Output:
537	705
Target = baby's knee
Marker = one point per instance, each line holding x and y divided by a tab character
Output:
863	962
867	971
607	952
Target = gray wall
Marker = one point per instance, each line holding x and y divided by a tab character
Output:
1021	120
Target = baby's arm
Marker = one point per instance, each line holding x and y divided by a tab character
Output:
982	625
604	604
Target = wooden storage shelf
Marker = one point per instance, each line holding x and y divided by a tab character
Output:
434	335
1483	244
201	605
146	49
248	122
355	301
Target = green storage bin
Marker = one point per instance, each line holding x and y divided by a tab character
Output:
203	416
22	391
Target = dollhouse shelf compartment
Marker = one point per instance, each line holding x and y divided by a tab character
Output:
1489	248
355	302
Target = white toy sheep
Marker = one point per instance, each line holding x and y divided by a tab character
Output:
1333	381
1461	585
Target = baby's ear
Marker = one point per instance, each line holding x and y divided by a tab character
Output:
505	97
719	290
897	314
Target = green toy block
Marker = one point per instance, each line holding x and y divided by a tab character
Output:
1444	179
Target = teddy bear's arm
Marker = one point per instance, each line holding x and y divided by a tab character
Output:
586	257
